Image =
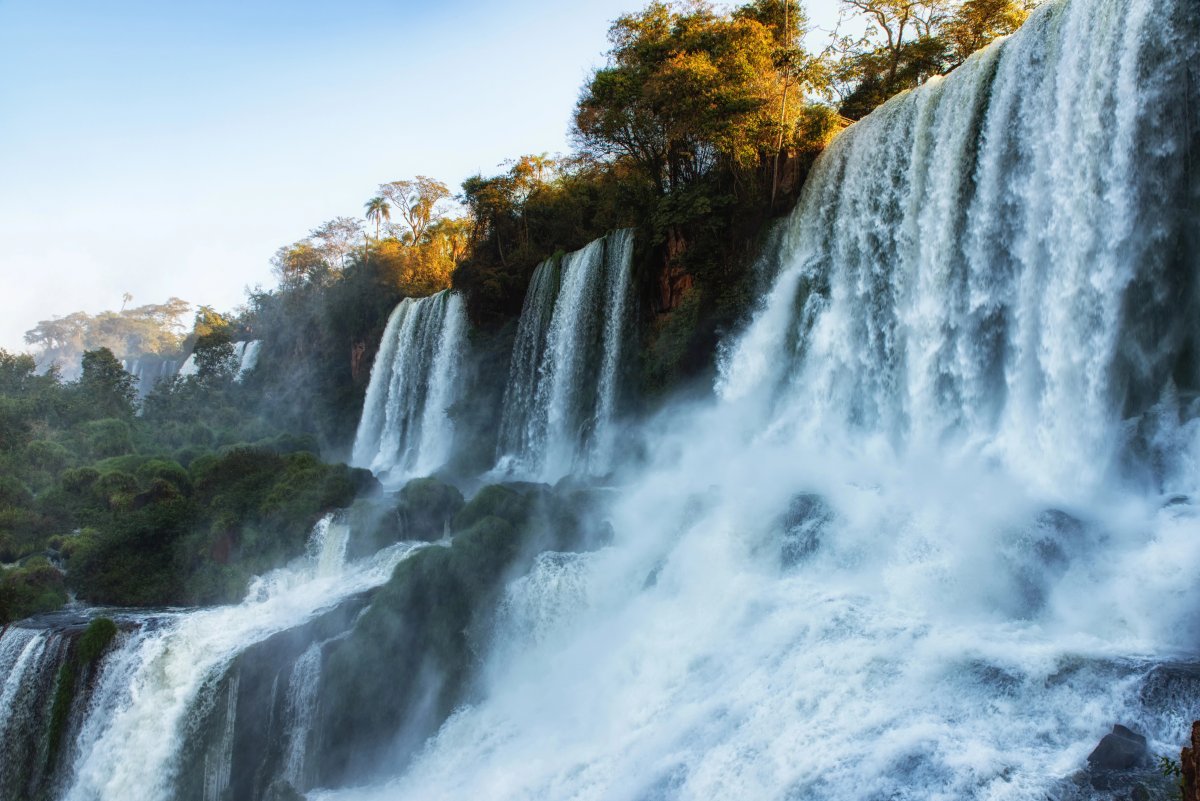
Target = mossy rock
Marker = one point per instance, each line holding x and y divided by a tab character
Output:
494	500
427	507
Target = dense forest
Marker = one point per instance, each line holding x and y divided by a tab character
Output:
698	132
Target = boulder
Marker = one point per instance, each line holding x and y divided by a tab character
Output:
1121	749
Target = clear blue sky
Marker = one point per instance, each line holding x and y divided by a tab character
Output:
168	148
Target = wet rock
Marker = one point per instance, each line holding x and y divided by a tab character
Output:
1189	766
802	525
1121	749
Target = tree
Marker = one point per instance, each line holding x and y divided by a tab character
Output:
378	210
104	388
788	25
419	202
153	329
908	41
686	90
299	264
334	240
976	23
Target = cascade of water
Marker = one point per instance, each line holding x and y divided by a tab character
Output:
245	359
188	368
997	258
249	358
301	708
30	660
892	560
155	681
562	396
405	429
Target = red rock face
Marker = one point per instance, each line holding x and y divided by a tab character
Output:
673	280
1189	762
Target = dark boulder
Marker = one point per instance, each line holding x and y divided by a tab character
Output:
1121	749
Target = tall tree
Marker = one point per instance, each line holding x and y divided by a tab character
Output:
335	239
419	202
378	210
105	389
976	23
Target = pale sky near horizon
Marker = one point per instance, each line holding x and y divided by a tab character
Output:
169	148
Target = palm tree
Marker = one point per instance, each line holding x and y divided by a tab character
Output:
378	209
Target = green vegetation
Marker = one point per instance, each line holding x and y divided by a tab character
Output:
181	505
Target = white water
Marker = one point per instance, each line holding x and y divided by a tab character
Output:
405	429
147	373
21	653
301	709
245	357
960	319
560	405
133	737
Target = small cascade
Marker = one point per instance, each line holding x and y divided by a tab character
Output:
248	359
303	684
405	429
147	371
245	359
172	674
188	368
564	386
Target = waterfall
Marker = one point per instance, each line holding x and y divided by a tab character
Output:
147	371
940	527
561	401
154	688
998	258
405	429
246	355
188	368
245	359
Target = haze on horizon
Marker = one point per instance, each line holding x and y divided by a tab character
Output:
169	149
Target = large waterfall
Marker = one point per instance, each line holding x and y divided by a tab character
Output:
405	428
935	533
564	382
940	529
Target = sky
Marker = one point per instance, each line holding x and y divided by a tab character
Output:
169	148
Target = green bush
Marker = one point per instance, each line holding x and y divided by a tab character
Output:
35	587
105	438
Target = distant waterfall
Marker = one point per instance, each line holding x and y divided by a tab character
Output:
565	378
148	371
245	359
405	429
